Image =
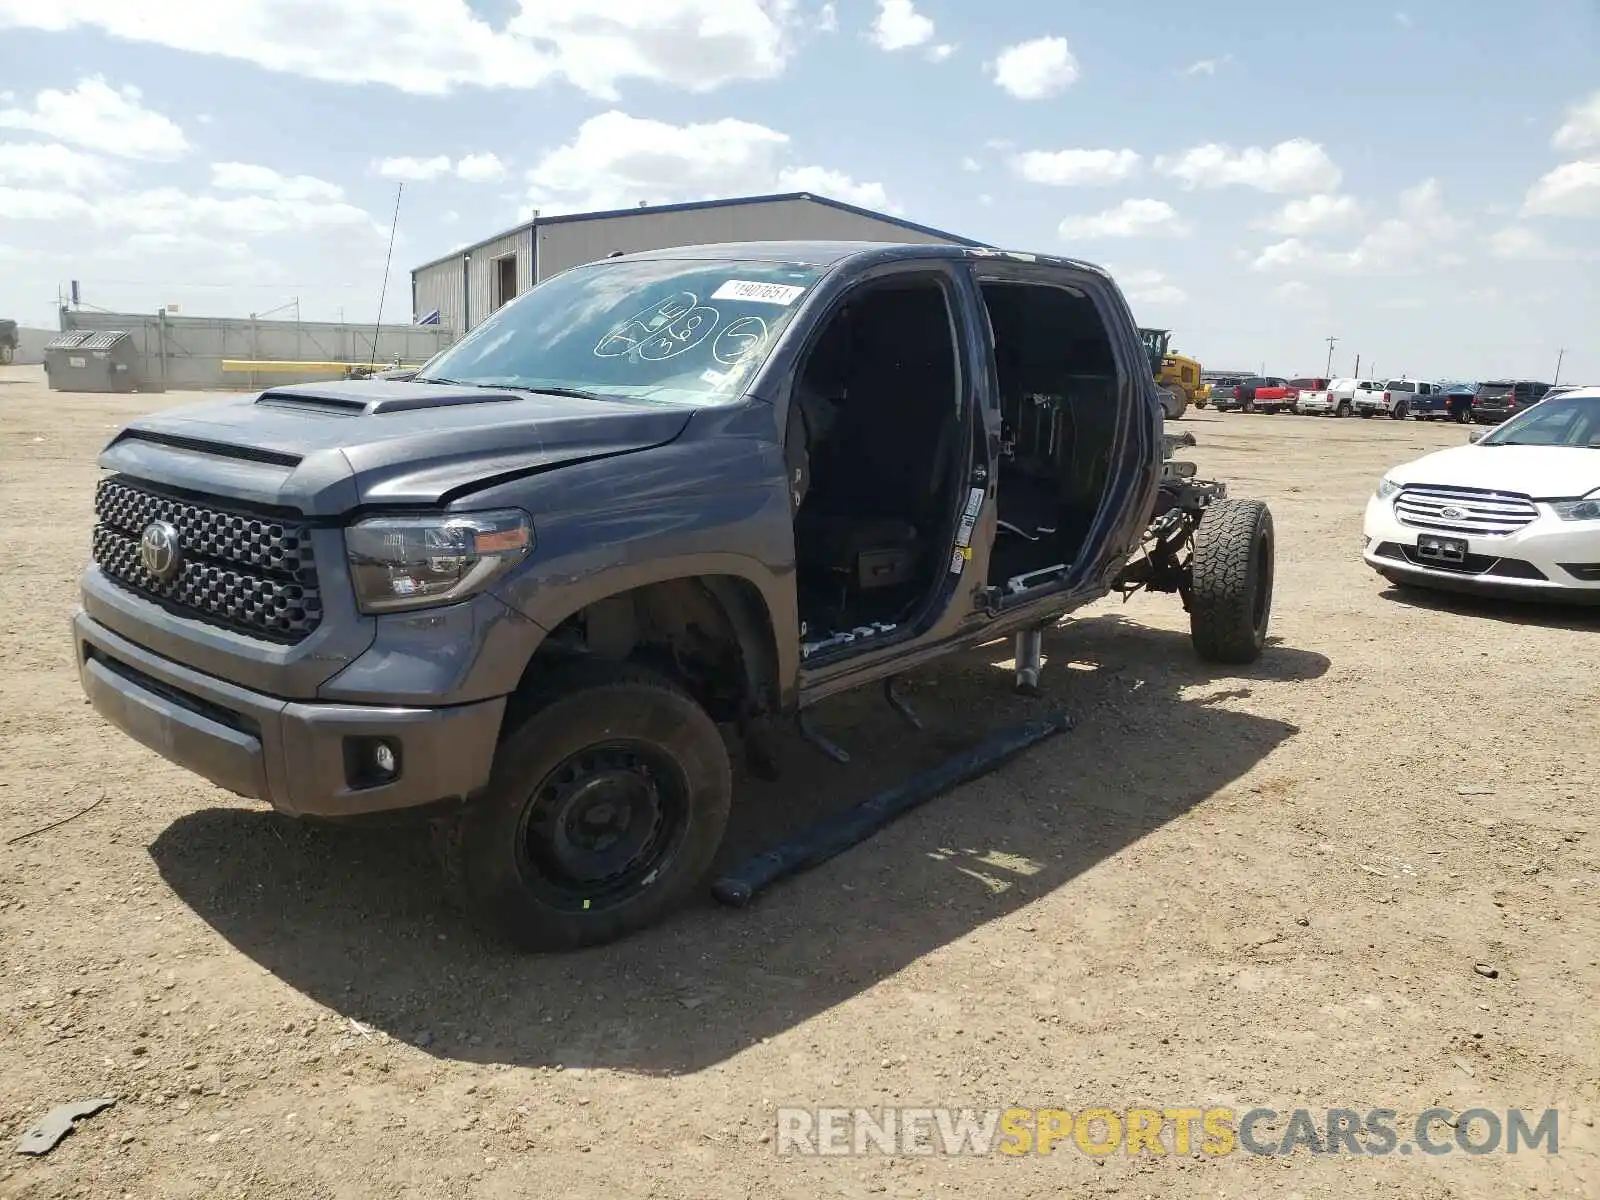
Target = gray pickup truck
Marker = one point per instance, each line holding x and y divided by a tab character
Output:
518	593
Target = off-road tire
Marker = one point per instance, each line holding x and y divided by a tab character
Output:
1230	592
591	705
1463	416
1343	410
1399	412
1175	405
1248	406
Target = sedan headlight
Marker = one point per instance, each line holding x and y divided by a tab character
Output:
414	562
1387	487
1578	510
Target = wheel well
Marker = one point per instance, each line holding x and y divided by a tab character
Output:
712	634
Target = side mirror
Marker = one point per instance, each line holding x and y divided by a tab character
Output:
1474	437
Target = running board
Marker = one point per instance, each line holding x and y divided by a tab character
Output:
834	835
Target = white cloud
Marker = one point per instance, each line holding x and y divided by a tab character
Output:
899	26
434	46
414	170
474	168
1419	234
1147	287
836	185
1571	190
1581	129
99	116
971	165
941	52
1131	218
246	177
1518	242
827	19
1208	66
1297	165
1037	69
1314	214
615	161
481	168
1067	168
32	165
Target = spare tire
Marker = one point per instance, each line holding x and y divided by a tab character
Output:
1230	590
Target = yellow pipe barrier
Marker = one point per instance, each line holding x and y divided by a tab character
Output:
245	364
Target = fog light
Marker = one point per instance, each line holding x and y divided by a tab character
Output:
383	758
371	761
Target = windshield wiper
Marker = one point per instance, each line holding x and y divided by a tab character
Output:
575	393
441	380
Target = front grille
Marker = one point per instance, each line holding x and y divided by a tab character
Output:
251	572
1464	510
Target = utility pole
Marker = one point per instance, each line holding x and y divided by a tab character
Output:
1559	357
1358	367
1328	370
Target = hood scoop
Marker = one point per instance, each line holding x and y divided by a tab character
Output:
349	402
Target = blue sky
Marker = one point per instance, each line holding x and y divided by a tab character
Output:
1419	178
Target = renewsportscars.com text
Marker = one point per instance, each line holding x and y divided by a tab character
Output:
1184	1130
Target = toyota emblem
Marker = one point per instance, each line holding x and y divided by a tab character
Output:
1452	513
161	550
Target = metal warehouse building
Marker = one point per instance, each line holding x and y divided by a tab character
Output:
468	285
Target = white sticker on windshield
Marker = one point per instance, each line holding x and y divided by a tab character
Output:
763	293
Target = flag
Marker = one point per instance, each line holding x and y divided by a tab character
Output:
429	318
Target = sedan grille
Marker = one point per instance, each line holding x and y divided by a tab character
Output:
249	572
1464	510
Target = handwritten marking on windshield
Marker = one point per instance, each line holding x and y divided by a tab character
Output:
738	339
664	330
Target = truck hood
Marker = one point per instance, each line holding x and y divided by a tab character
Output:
1543	472
326	448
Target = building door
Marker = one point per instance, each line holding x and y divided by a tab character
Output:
505	280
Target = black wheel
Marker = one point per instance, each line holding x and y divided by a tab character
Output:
1343	410
605	807
1463	416
1248	406
1399	412
1230	598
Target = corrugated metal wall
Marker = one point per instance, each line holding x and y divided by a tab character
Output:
439	286
187	352
569	243
564	244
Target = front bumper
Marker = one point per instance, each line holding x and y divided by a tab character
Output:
303	758
1536	562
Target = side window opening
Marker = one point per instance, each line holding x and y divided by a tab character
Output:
1058	385
877	401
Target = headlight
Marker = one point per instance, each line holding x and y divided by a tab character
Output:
1387	487
414	562
1577	510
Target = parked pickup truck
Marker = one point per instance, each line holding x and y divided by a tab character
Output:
1445	402
1391	399
518	593
1259	393
1311	396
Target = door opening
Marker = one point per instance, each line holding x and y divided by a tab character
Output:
1059	392
505	280
877	443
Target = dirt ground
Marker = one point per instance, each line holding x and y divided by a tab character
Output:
1262	888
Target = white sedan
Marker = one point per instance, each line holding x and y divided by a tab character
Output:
1514	513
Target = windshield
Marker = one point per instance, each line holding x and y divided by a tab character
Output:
1494	391
666	331
1561	421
